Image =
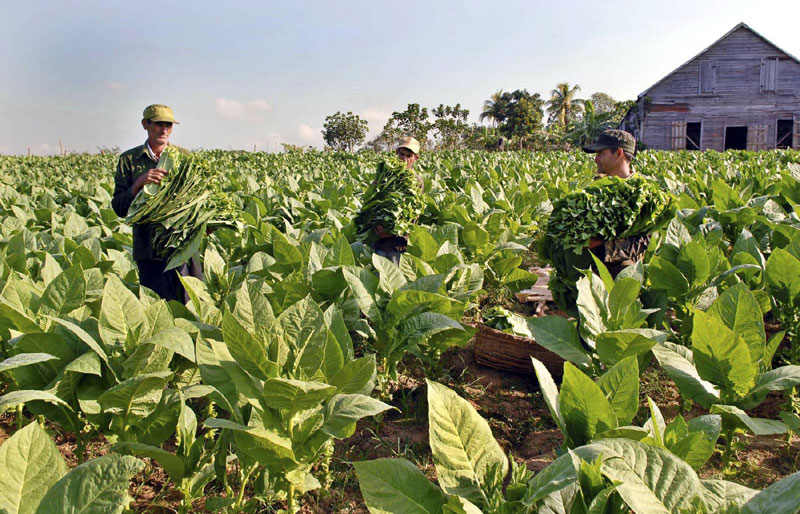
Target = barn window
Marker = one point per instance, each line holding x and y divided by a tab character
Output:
735	138
693	136
708	77
769	74
785	133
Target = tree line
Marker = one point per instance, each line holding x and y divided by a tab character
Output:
516	120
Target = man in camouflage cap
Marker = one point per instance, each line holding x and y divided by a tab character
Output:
614	150
135	168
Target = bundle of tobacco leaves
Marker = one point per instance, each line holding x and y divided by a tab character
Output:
178	209
392	200
610	208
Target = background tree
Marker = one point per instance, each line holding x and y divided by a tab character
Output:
344	132
524	115
411	122
450	125
495	108
589	125
603	102
563	105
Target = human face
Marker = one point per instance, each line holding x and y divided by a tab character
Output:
609	161
157	132
407	156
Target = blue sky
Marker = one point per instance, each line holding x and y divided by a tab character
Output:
262	73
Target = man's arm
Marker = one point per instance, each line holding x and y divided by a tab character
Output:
123	190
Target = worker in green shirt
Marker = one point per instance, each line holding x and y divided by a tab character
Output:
391	203
137	167
613	153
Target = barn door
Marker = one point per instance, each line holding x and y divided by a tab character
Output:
757	138
678	139
796	137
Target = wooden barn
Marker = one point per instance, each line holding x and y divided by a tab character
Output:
742	92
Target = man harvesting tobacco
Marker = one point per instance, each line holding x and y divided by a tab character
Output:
148	164
612	218
391	204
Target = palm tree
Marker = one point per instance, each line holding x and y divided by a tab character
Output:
495	108
588	126
563	105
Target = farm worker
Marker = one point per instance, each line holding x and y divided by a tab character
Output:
383	241
614	150
137	167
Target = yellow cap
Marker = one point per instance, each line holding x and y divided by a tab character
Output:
410	143
158	112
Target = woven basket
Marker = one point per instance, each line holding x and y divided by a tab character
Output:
507	352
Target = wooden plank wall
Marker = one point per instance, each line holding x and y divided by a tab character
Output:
737	98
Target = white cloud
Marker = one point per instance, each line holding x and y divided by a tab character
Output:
114	86
376	119
309	134
242	111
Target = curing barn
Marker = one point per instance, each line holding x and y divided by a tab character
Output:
742	92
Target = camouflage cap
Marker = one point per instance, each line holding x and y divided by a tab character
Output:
613	139
158	112
410	143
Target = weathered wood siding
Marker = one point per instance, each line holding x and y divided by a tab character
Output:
735	99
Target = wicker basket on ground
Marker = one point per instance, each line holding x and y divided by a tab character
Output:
508	352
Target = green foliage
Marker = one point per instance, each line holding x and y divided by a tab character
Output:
392	201
344	132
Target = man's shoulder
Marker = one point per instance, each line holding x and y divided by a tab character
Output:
132	153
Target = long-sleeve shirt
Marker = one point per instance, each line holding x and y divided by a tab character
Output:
131	165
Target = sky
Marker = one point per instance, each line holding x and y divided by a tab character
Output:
77	75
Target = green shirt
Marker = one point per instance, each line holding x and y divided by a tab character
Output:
131	165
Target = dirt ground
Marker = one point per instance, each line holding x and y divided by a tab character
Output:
515	411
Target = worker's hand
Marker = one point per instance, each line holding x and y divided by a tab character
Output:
595	242
151	176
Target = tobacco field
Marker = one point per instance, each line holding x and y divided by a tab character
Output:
306	374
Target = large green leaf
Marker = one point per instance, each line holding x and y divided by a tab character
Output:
137	396
88	340
778	379
652	480
99	486
549	391
721	356
621	386
120	312
14	398
558	335
618	344
720	495
390	276
249	352
303	328
738	309
284	393
344	410
64	294
783	276
462	444
396	486
584	408
736	417
263	444
779	498
666	277
358	377
25	359
683	372
171	463
31	464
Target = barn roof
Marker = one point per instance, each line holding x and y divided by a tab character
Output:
727	34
